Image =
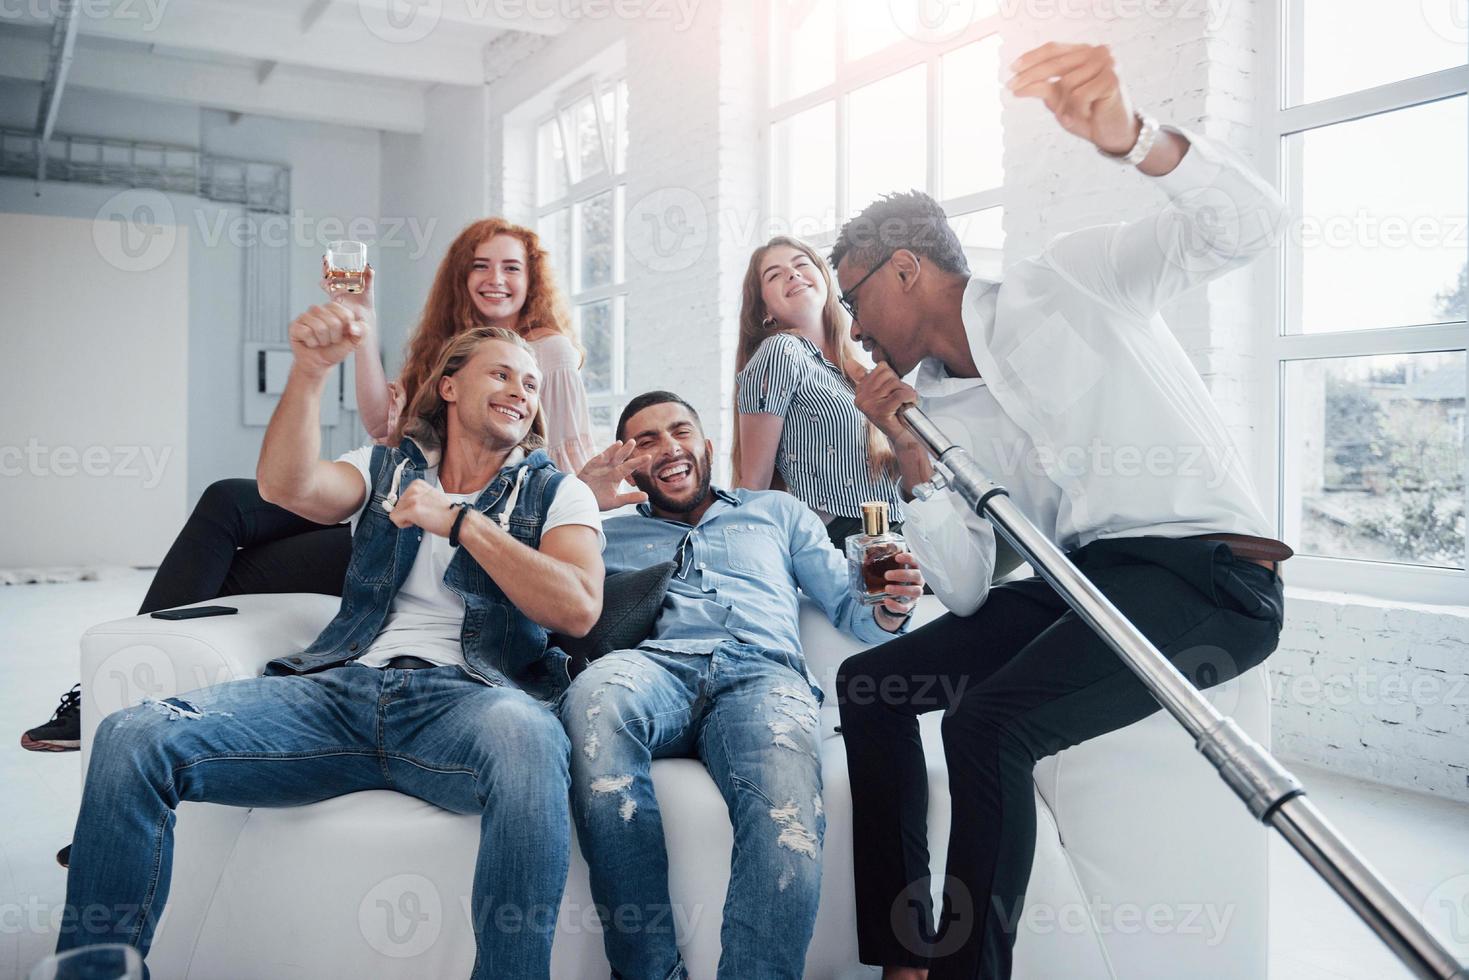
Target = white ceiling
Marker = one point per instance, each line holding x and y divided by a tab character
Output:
354	62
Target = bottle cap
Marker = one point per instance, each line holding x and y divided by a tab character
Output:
875	517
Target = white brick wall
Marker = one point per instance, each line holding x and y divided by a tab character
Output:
674	301
1376	690
693	158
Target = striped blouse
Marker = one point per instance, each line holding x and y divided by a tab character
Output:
823	444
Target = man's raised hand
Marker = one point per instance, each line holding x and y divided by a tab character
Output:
324	335
605	471
1080	85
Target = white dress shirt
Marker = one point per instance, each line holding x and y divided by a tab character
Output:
1088	410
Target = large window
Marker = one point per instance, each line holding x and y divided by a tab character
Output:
1371	145
862	104
581	162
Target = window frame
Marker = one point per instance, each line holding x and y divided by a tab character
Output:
578	193
1276	348
852	75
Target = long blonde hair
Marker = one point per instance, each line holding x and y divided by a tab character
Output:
427	419
834	328
450	311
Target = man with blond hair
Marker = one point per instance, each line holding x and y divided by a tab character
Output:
434	677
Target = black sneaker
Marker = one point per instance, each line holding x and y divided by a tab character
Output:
63	733
63	856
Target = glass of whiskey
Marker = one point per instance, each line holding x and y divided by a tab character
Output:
345	264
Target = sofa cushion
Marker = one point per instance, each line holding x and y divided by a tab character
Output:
630	604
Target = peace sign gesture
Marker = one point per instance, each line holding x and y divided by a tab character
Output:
605	471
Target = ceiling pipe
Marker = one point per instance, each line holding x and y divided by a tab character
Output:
63	41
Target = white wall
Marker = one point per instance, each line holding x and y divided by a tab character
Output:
93	439
218	442
434	184
335	190
335	182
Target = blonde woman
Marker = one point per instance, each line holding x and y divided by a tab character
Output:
796	371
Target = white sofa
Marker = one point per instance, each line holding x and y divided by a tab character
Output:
1146	866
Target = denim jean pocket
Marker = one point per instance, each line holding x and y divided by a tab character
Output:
558	671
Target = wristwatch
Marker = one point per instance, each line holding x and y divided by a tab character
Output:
1147	136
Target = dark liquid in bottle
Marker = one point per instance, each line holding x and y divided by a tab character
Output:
875	567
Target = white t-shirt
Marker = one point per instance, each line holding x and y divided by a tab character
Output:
426	616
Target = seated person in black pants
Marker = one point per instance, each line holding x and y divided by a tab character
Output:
1065	385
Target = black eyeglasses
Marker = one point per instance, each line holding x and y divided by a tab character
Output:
848	299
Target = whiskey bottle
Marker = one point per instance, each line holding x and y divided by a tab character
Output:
872	554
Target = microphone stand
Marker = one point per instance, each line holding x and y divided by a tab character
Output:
1272	794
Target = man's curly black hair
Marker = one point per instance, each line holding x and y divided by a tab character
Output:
910	220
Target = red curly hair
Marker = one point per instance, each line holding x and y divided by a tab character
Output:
450	311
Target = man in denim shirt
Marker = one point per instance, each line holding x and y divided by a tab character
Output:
721	678
433	679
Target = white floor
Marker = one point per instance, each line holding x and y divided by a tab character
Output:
1420	843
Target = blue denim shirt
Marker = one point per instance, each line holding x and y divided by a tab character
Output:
739	568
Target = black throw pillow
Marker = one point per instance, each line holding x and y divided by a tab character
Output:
630	604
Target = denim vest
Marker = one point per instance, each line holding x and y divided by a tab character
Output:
499	641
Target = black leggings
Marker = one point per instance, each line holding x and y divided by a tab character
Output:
1020	679
234	543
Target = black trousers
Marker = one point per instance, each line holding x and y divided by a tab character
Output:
234	543
1019	680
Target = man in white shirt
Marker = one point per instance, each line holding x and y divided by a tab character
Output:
434	679
1065	385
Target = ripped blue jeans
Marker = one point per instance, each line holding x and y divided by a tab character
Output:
750	716
434	733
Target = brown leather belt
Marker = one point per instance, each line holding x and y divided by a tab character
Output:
1265	552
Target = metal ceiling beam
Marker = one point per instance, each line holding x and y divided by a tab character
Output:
63	41
368	104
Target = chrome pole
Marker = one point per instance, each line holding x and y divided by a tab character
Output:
1273	795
